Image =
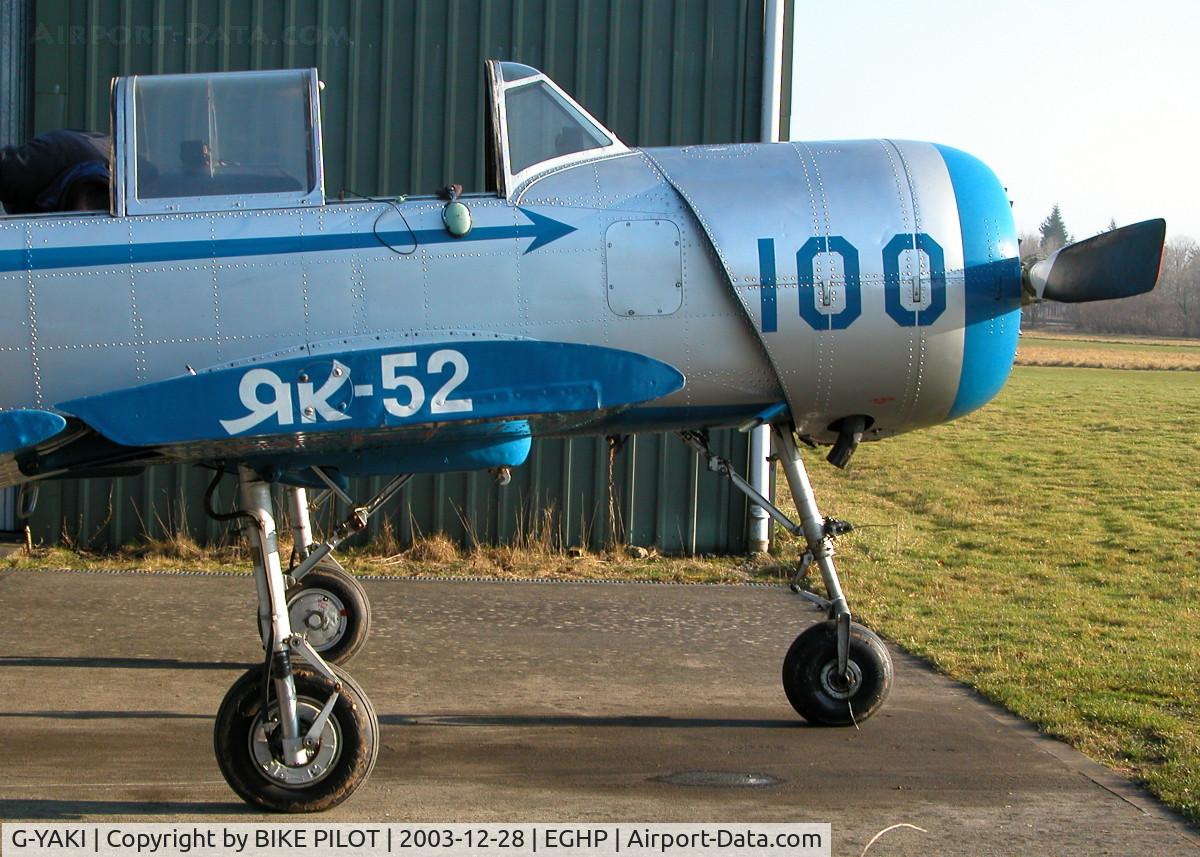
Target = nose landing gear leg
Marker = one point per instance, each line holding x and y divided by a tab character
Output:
837	672
820	544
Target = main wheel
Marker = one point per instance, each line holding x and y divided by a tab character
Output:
331	609
247	742
819	694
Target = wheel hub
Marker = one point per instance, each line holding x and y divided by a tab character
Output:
266	747
322	614
841	686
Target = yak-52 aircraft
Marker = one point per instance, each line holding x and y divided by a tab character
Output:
224	313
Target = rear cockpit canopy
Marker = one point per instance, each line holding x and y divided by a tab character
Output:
539	127
221	141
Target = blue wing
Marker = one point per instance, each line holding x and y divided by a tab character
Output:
460	404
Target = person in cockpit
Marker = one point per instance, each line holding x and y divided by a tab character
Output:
61	170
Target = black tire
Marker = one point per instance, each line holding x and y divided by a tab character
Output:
815	690
324	585
240	746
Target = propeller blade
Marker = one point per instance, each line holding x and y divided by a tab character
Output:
1117	264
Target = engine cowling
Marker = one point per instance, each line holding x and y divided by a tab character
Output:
883	282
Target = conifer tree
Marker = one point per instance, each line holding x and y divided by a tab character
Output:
1054	231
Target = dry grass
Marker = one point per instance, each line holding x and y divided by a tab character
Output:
156	555
1032	354
1096	352
433	555
435	549
438	556
1116	339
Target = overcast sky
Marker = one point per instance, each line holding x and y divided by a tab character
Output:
1094	105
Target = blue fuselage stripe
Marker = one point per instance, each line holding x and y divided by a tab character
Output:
48	258
992	281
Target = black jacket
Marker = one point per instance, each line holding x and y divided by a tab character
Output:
28	171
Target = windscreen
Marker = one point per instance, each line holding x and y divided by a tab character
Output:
542	126
223	135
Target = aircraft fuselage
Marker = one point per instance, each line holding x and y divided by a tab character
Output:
868	278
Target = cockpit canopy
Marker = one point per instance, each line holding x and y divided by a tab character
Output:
252	140
202	142
539	127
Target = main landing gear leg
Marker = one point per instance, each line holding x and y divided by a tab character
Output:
302	537
837	672
295	734
324	601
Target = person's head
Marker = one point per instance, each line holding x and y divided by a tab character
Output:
194	155
87	196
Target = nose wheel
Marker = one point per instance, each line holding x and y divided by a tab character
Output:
823	694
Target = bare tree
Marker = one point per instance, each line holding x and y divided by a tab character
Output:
1179	280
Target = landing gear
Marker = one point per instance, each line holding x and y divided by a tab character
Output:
823	695
296	734
338	747
838	672
331	608
325	602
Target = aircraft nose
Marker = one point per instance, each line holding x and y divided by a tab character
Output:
991	280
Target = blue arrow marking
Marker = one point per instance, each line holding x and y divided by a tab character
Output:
540	228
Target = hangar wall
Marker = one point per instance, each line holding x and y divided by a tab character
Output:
402	110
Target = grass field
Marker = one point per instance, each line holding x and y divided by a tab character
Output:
1043	550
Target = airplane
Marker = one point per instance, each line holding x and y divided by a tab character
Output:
225	313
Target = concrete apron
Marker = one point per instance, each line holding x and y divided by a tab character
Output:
537	702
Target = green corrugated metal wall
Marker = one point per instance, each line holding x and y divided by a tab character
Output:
402	110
